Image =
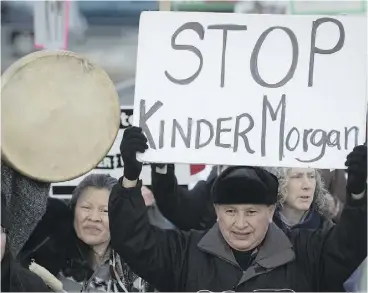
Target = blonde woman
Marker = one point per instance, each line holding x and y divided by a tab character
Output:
303	200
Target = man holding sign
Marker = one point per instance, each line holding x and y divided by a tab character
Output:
244	251
258	74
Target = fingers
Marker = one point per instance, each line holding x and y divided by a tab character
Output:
134	130
134	144
138	145
360	149
356	162
135	138
357	157
356	169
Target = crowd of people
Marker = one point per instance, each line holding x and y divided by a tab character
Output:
245	228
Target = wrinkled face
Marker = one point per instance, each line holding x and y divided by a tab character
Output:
3	243
91	221
300	188
244	226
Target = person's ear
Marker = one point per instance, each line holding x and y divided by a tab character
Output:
216	206
271	209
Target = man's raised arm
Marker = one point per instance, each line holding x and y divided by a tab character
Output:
156	255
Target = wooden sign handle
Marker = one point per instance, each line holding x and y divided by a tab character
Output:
165	5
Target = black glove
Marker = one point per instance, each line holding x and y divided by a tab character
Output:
356	162
158	165
133	141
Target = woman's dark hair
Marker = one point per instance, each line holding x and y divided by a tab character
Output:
79	261
99	181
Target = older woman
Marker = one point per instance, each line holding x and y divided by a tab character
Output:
303	200
85	260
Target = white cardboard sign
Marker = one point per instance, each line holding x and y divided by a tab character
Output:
236	89
113	164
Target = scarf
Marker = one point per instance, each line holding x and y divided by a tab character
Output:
113	275
26	201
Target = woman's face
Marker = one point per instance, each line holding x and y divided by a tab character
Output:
300	188
91	221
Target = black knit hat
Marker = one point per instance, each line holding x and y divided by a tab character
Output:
245	185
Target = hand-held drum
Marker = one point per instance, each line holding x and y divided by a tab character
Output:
60	115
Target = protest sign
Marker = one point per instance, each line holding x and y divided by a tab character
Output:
113	164
51	24
234	89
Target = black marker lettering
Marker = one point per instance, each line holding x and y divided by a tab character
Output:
161	134
321	142
254	58
198	28
198	144
314	50
243	133
305	139
225	28
186	138
219	130
288	137
336	142
347	132
143	117
267	105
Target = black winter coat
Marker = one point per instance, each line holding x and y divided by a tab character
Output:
176	202
201	260
15	278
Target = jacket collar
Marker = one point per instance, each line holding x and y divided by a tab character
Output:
276	249
311	220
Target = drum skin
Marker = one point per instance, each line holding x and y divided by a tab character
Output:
60	115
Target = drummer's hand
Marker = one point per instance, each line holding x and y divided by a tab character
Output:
133	141
356	162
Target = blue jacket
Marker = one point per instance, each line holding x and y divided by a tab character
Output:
312	220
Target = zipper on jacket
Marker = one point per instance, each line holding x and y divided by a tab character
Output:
228	261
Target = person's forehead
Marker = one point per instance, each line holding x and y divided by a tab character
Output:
94	195
301	171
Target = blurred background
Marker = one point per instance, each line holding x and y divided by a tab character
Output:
107	32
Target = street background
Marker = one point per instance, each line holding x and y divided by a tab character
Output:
106	32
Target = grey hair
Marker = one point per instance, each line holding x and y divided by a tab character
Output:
322	199
99	181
